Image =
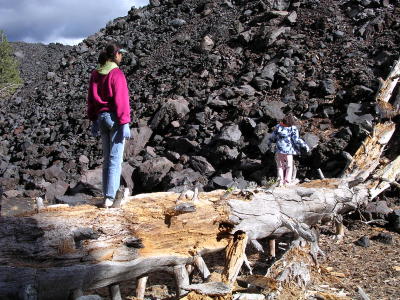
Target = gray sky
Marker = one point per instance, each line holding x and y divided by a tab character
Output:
62	21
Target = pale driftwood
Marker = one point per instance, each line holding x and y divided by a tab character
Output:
39	203
115	292
362	294
201	266
386	89
181	279
141	287
272	247
367	157
320	174
235	255
384	177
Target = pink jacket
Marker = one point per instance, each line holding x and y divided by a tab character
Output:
109	93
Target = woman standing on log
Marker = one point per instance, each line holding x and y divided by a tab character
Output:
109	110
288	143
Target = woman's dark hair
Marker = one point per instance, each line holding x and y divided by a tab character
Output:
289	120
108	53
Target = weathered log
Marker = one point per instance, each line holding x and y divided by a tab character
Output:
44	249
141	287
235	254
115	292
387	86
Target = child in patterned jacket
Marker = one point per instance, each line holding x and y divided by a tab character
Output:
288	143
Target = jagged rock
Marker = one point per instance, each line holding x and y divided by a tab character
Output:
153	171
172	110
377	210
92	179
155	3
182	145
394	220
229	134
311	140
176	180
54	173
354	115
141	136
225	153
207	43
201	165
274	110
281	4
55	190
363	242
223	182
328	87
250	164
178	22
126	175
265	145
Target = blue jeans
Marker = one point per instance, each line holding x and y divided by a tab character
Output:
113	152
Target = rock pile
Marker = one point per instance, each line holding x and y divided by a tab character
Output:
208	81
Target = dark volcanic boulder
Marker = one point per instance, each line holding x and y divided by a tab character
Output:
152	172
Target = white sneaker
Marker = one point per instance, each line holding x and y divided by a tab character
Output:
108	203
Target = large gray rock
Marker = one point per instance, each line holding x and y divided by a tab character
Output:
126	174
223	181
311	140
225	153
172	110
265	145
355	116
229	135
152	172
201	165
56	189
268	72
177	181
92	179
140	137
54	173
273	109
280	4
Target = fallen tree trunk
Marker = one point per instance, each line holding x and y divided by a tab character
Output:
57	251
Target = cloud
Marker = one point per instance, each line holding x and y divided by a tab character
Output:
65	21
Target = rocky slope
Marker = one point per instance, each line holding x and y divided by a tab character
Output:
208	81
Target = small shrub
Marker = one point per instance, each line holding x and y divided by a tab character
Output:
10	78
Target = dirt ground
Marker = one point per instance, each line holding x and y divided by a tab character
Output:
376	269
